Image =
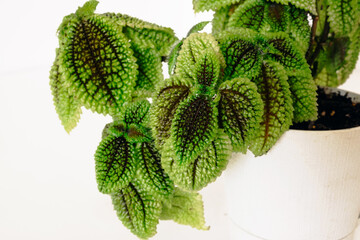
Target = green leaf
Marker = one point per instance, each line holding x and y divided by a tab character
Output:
343	16
299	28
277	16
115	163
221	18
67	107
286	53
138	209
98	65
248	15
304	96
240	112
278	110
206	5
193	127
161	38
185	208
242	55
150	172
193	50
197	27
307	5
194	174
208	69
173	57
87	9
137	113
149	70
170	94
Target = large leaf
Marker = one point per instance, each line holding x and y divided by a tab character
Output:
150	172
343	16
240	112
304	96
98	65
277	16
193	127
66	105
149	70
115	163
160	38
278	110
242	55
138	209
170	94
185	208
205	5
249	15
195	174
193	50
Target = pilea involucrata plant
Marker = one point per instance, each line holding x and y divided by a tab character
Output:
237	88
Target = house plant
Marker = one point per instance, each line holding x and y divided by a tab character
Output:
240	87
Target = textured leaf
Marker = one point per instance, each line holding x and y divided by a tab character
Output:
299	28
304	96
221	18
192	51
193	127
173	56
242	55
277	16
115	164
278	110
194	174
137	113
149	71
138	209
307	5
171	93
206	5
240	112
185	208
98	65
152	176
288	55
197	27
208	69
343	15
67	107
161	38
248	15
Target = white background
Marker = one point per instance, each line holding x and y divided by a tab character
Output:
47	178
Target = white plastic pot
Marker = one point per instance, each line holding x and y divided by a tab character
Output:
307	187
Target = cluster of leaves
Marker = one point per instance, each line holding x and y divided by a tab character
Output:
239	88
105	60
128	167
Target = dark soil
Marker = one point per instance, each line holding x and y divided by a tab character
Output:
335	111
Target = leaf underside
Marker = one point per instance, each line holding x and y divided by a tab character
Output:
185	208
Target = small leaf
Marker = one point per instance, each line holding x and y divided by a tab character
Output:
115	164
152	176
137	113
242	55
193	127
343	16
304	96
138	209
149	70
248	15
185	208
221	18
206	5
194	174
208	69
98	65
192	51
67	107
173	57
197	27
170	94
161	38
278	110
240	112
87	9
